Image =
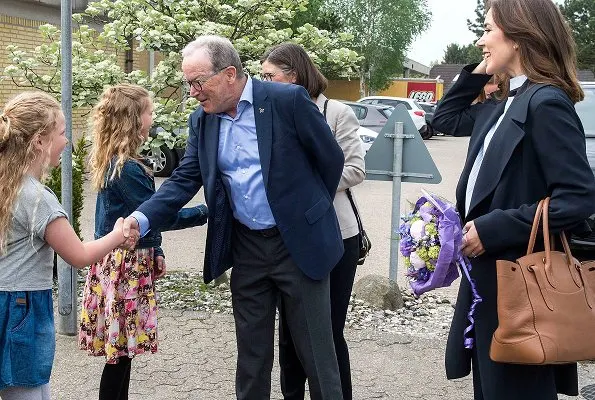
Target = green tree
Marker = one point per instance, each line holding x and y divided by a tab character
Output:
581	18
167	26
318	15
458	54
476	25
54	182
382	31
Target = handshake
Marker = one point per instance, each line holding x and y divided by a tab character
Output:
130	231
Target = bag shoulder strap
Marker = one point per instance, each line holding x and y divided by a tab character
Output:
347	191
359	221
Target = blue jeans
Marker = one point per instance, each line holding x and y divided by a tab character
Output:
27	338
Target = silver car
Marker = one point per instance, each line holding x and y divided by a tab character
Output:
371	116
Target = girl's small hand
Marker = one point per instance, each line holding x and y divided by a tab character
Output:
126	242
160	268
118	228
472	246
119	225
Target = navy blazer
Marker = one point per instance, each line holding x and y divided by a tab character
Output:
301	167
538	150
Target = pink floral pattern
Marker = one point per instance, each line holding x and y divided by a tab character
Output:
119	312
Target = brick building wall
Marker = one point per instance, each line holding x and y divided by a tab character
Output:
23	32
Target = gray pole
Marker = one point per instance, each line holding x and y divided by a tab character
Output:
151	63
396	212
67	293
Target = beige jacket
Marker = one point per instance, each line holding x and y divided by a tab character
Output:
344	125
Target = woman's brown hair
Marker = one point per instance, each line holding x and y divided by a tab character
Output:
502	81
293	58
546	47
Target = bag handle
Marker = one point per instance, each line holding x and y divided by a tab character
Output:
535	227
542	212
546	233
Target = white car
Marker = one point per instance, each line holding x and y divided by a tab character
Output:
418	115
367	137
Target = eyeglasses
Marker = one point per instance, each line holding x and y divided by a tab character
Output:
198	83
268	76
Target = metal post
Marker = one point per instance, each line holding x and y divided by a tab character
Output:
67	293
396	212
151	63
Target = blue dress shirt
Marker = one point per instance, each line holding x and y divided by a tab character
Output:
239	163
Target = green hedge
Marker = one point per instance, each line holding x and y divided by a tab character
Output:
54	181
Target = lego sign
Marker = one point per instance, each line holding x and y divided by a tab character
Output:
421	91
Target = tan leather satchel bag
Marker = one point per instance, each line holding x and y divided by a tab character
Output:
546	304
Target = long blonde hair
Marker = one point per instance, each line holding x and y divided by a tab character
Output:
24	118
117	125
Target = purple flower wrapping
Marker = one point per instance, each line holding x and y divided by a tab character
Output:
450	237
445	267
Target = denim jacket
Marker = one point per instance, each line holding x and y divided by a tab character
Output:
124	194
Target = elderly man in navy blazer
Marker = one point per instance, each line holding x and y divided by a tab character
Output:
270	168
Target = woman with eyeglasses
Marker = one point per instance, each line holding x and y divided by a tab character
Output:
289	63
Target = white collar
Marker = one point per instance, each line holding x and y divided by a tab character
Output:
517	82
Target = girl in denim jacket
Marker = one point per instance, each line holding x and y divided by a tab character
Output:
119	311
32	225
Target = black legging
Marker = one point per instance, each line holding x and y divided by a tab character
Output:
293	377
115	380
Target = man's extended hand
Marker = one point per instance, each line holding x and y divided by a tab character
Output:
131	231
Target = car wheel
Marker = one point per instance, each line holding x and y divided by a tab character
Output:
164	161
428	133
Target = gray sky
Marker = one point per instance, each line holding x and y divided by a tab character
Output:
448	25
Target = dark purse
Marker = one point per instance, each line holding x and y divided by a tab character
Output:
364	241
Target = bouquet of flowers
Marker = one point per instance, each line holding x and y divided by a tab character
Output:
431	237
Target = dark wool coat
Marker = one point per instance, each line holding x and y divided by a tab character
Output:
537	151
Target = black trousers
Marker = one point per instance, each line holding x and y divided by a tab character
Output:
263	272
115	380
293	377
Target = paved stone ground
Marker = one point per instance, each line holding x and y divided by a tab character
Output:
196	358
197	354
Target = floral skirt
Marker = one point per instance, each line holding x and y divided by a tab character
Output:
119	311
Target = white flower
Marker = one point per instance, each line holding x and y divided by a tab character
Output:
417	229
416	261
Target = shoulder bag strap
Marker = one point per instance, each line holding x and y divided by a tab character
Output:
324	109
359	221
347	191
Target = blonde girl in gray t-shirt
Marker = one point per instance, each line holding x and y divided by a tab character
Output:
33	225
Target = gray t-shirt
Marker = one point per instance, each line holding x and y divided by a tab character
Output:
28	261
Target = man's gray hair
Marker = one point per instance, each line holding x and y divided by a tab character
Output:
220	50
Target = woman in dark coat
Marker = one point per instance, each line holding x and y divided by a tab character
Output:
528	146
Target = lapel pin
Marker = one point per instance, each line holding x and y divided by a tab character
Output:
261	110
